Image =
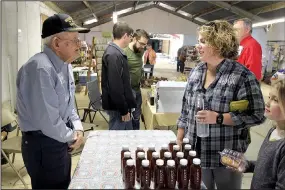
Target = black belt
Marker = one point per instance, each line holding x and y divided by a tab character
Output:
40	133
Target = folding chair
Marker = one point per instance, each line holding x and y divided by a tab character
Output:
95	104
13	146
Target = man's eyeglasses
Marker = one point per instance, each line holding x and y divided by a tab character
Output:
75	41
142	44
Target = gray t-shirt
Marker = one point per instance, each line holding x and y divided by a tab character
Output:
269	169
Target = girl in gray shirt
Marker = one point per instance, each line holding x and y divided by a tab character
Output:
269	169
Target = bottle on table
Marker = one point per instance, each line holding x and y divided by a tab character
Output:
140	158
164	149
167	156
202	129
176	149
150	150
139	149
125	148
145	175
171	175
192	155
155	156
171	144
179	156
130	174
195	174
184	142
187	148
183	175
159	177
127	156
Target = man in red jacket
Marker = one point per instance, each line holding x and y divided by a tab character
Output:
250	52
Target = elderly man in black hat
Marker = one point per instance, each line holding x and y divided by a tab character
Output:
49	123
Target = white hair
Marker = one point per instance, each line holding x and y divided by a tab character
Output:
47	40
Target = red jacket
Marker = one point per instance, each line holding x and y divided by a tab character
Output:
251	55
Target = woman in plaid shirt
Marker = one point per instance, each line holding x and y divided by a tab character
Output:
222	80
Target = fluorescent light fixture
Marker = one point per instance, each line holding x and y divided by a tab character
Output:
115	17
184	13
90	21
265	23
124	11
167	6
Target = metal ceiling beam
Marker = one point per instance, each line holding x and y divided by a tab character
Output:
257	11
236	10
268	8
179	15
105	19
211	10
184	6
90	8
136	4
86	12
54	7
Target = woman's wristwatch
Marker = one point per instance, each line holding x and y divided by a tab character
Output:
220	119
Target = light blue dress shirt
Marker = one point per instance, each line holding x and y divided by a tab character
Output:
45	97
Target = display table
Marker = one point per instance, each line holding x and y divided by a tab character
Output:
99	166
153	120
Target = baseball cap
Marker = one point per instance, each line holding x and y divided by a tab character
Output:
60	23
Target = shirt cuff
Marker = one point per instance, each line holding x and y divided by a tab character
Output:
236	119
77	125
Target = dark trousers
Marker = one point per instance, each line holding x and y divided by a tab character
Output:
182	65
178	66
138	110
47	161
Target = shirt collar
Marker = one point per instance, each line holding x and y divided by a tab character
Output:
117	47
56	61
245	39
220	68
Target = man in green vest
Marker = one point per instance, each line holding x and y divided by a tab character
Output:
134	53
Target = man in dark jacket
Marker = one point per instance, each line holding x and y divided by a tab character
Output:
117	96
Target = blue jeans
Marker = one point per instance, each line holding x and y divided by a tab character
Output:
116	123
138	110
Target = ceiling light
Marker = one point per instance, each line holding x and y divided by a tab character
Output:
115	17
90	21
274	21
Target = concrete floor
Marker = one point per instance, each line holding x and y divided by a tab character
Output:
162	68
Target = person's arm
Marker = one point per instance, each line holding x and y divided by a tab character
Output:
280	183
115	83
250	166
43	105
254	115
153	57
253	60
75	119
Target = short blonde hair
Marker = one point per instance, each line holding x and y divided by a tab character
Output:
280	87
220	35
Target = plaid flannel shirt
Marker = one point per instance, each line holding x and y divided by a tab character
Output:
233	82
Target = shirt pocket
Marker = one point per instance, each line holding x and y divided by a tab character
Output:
221	98
61	90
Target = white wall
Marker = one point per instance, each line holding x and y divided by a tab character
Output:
153	20
190	39
26	17
277	32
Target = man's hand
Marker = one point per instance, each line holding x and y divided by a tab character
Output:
126	117
206	117
78	137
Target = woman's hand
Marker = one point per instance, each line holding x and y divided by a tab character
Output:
206	117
